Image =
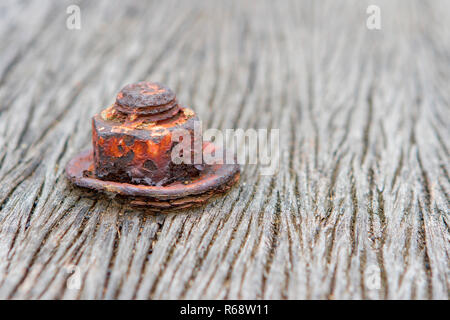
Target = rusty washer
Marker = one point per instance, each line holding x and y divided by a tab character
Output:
132	146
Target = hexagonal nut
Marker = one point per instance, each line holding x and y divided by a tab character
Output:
139	152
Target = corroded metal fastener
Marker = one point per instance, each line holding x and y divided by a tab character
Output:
132	147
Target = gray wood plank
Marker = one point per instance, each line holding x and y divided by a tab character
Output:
358	208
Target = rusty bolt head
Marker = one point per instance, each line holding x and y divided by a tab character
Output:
144	98
132	144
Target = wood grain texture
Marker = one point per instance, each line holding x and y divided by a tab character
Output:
363	184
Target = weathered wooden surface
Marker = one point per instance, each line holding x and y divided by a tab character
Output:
363	184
